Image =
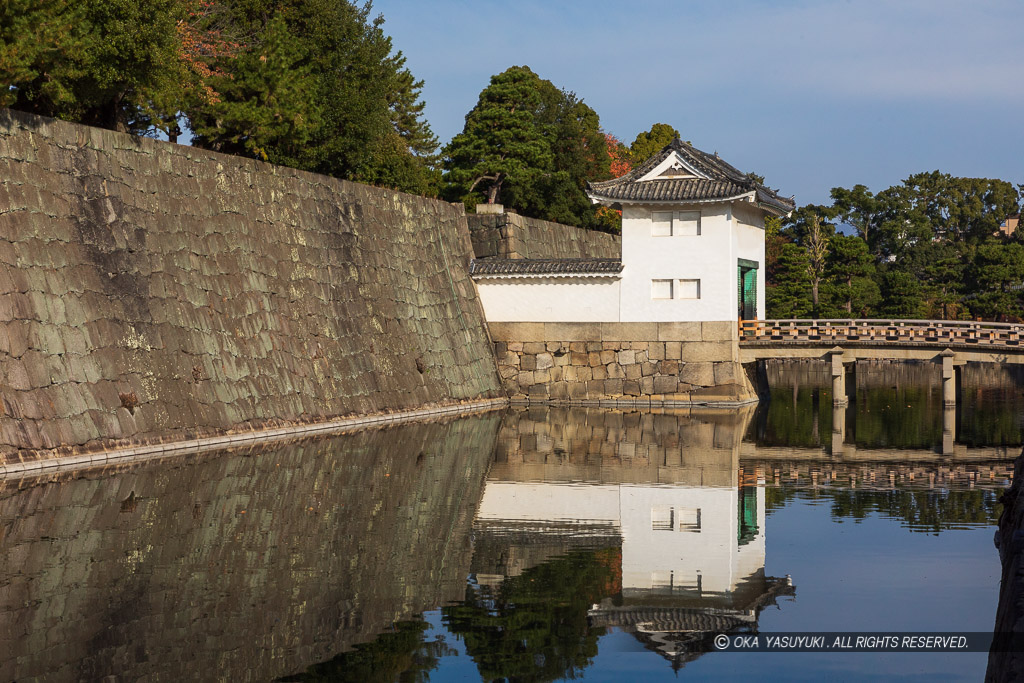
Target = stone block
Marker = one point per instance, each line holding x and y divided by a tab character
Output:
615	371
553	346
613	387
578	346
509	358
673	350
579	358
613	346
516	346
656	351
698	374
534	347
665	385
633	371
595	359
646	385
541	376
600	372
595	388
647	369
707	351
544	361
679	331
593	346
725	330
640	345
516	332
525	379
607	356
626	357
584	374
629	332
528	362
668	367
725	373
577	390
631	387
558	390
573	331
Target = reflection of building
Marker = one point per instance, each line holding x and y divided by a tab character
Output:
692	533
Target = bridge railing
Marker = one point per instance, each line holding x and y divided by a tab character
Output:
838	330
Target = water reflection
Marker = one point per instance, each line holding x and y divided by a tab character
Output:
896	406
348	558
680	521
239	566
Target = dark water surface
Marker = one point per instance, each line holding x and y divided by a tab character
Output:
536	544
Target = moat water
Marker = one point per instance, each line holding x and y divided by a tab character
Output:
534	544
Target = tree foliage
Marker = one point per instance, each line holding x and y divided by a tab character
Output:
926	248
649	143
530	146
312	84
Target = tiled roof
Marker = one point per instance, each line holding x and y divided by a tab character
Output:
566	266
723	182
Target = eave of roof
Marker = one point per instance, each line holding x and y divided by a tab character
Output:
581	267
723	183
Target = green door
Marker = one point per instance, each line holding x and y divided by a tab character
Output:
747	289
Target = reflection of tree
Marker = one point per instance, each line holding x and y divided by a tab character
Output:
930	511
992	417
795	420
398	655
534	627
898	417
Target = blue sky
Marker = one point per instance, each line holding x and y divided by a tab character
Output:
811	94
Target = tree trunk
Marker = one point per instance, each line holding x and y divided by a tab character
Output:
493	190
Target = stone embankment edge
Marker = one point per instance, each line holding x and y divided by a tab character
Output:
629	403
117	456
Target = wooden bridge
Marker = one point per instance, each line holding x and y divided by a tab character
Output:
947	343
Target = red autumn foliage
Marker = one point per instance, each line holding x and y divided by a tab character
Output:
619	153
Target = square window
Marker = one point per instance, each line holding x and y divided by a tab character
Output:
686	223
661	224
662	518
688	289
661	289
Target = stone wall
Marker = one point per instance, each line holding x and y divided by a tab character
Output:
509	235
154	291
634	362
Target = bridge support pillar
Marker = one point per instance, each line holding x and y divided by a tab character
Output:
838	428
949	430
948	378
838	378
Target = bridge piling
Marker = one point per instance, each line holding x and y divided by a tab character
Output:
948	378
838	378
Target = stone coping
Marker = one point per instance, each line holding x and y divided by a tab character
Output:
720	331
141	453
642	402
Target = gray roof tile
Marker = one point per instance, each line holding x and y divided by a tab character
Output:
724	182
568	266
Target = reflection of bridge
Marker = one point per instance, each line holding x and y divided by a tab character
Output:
948	343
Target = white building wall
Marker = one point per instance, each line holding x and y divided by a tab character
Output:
710	257
749	244
651	557
567	300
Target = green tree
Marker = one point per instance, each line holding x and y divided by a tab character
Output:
902	295
318	88
790	297
531	147
650	142
997	274
502	142
109	63
848	270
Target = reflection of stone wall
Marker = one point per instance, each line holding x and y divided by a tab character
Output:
685	362
510	235
670	445
237	566
150	290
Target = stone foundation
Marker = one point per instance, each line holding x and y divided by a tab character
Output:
621	362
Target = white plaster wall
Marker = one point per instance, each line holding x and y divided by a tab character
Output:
649	556
550	299
749	244
709	257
